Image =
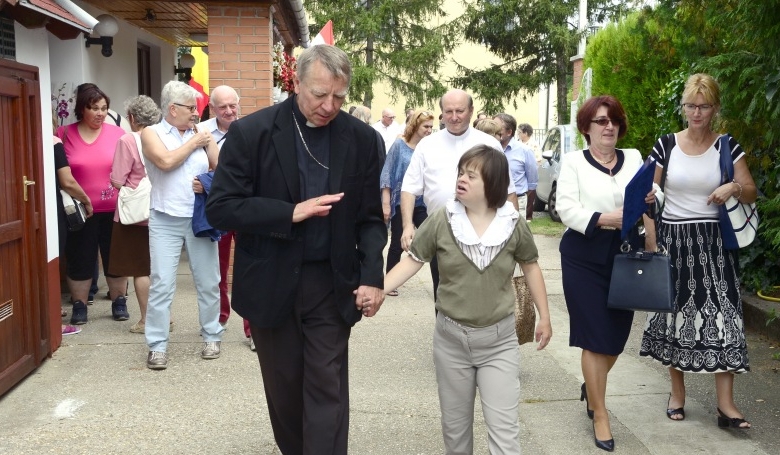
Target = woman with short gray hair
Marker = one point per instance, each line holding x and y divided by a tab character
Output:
176	152
130	242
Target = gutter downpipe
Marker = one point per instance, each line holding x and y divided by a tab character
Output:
300	18
79	13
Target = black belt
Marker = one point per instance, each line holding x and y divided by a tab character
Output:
522	194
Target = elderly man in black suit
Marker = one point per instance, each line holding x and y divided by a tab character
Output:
298	182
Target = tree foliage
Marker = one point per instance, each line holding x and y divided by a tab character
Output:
743	54
632	60
535	39
401	43
738	43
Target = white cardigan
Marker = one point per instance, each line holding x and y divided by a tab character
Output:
584	190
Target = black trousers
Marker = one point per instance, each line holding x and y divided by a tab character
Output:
305	370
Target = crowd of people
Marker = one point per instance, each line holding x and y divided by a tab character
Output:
307	192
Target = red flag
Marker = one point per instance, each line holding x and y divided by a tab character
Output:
325	36
203	101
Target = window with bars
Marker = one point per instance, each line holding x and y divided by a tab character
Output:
7	38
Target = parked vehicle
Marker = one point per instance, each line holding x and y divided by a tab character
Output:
558	142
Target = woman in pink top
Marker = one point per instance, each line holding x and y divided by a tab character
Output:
130	243
89	147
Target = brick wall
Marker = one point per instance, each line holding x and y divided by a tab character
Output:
240	41
577	78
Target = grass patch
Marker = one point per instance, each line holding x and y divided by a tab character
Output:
546	226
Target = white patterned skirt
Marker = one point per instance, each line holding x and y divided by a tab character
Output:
706	332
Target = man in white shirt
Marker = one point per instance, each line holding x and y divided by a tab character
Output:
388	128
432	171
223	105
522	163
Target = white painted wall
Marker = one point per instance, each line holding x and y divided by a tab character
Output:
71	61
32	49
117	75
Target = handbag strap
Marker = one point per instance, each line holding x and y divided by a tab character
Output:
726	165
667	141
137	137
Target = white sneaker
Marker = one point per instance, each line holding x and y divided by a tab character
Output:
211	350
157	360
252	344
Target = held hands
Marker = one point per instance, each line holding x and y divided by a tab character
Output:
318	206
368	299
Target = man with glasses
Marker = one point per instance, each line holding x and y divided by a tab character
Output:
388	128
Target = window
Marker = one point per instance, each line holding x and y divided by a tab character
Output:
144	70
7	38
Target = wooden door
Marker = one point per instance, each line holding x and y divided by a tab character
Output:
24	321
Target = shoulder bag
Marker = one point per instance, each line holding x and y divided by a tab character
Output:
738	222
642	280
75	212
525	314
133	203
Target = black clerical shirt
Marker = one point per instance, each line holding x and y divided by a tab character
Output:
313	183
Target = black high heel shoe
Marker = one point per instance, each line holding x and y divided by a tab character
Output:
584	397
608	445
671	413
731	422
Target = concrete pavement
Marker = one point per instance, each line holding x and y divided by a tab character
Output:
96	395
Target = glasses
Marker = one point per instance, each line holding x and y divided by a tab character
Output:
424	114
691	108
191	108
604	121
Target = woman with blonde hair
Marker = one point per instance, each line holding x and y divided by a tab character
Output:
362	113
398	157
489	126
706	332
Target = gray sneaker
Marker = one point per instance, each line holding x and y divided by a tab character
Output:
157	360
210	350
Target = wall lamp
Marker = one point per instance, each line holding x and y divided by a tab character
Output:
186	62
106	28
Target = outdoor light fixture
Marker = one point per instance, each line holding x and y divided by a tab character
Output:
199	37
106	28
186	62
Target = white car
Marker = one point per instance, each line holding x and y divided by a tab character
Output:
558	142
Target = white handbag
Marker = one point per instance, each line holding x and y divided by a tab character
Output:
133	203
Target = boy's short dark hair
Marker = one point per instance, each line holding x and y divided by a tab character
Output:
494	169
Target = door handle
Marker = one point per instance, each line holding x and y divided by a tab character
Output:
26	184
